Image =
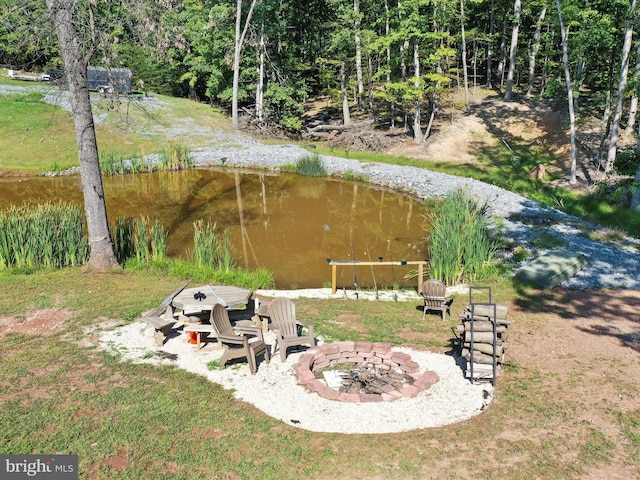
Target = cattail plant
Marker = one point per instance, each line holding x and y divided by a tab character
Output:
123	238
141	240
460	240
175	156
209	248
158	242
47	235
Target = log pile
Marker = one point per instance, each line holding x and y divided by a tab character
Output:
483	338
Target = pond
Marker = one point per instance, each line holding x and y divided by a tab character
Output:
287	223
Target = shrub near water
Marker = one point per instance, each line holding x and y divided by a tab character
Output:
461	244
311	166
48	235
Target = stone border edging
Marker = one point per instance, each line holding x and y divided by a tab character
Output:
378	354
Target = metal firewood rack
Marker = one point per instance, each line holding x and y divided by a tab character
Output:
494	320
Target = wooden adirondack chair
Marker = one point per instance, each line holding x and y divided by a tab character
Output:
235	341
434	294
288	329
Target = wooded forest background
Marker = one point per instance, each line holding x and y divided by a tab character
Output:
392	60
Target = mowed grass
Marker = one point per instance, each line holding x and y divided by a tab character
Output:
62	394
36	137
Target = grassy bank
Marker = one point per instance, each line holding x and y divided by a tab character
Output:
61	394
36	137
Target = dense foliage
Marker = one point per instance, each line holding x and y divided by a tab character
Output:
392	59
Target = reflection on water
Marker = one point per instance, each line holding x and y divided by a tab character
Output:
287	223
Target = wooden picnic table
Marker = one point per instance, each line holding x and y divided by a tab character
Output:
201	299
197	303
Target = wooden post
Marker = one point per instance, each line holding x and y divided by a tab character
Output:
333	278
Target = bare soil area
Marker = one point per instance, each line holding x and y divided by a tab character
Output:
458	137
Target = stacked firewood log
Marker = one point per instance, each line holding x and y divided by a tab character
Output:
483	338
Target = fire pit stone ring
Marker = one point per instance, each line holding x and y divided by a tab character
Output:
368	354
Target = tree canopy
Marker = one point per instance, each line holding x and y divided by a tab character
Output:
397	56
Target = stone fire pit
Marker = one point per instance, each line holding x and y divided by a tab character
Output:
361	354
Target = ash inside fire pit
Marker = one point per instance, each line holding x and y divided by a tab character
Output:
362	379
377	373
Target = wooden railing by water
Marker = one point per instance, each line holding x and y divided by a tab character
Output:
351	263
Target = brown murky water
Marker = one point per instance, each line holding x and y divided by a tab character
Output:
287	223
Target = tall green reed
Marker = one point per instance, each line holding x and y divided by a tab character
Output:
460	242
119	163
123	238
141	240
135	239
158	242
175	156
209	247
112	162
47	235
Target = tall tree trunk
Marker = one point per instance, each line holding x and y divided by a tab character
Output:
387	28
464	58
503	53
545	63
622	87
533	51
633	107
356	28
260	82
512	52
572	120
417	127
346	117
237	50
492	9
101	257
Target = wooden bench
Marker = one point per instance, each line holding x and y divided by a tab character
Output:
161	320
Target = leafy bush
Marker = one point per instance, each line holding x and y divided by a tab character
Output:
284	105
627	162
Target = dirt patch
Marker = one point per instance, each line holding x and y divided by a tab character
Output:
37	322
585	345
458	137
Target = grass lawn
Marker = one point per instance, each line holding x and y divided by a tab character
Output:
61	394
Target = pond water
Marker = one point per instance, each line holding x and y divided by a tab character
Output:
287	223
